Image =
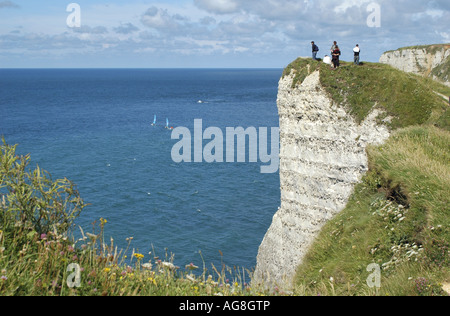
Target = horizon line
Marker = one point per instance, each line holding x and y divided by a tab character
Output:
131	68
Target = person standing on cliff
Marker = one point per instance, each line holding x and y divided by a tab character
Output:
333	47
315	49
356	52
336	53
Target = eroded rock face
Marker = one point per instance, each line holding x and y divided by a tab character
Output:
422	61
322	157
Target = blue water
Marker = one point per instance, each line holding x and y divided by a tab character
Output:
93	127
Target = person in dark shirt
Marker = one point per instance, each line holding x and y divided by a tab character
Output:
315	49
336	54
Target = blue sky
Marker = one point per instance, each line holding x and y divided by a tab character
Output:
210	33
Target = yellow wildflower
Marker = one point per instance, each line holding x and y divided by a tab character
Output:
152	280
139	256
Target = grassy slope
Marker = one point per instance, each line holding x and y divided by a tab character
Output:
410	99
399	216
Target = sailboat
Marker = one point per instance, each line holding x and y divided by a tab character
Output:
154	121
167	124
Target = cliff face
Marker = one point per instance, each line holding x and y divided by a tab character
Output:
429	61
322	157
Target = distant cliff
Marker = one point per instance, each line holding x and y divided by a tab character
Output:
430	61
327	119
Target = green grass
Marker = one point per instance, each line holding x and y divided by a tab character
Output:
407	98
41	267
301	68
398	218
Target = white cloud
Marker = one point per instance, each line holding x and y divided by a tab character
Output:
218	6
276	30
445	36
347	4
427	14
126	28
86	29
161	20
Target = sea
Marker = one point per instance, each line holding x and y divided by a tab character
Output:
94	127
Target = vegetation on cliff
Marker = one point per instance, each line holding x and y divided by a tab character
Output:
430	49
405	99
398	218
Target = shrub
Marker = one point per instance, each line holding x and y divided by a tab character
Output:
31	203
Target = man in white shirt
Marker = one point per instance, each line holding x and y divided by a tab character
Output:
356	52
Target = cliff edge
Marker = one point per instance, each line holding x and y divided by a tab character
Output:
327	120
322	157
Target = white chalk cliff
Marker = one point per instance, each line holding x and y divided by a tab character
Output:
322	157
422	60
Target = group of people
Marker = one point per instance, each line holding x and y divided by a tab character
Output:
335	54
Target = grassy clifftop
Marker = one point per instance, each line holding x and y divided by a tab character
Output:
409	99
398	218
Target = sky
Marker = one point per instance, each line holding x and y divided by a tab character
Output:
209	33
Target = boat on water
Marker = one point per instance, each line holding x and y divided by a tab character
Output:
167	124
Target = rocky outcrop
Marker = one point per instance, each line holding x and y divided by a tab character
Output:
430	61
322	157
